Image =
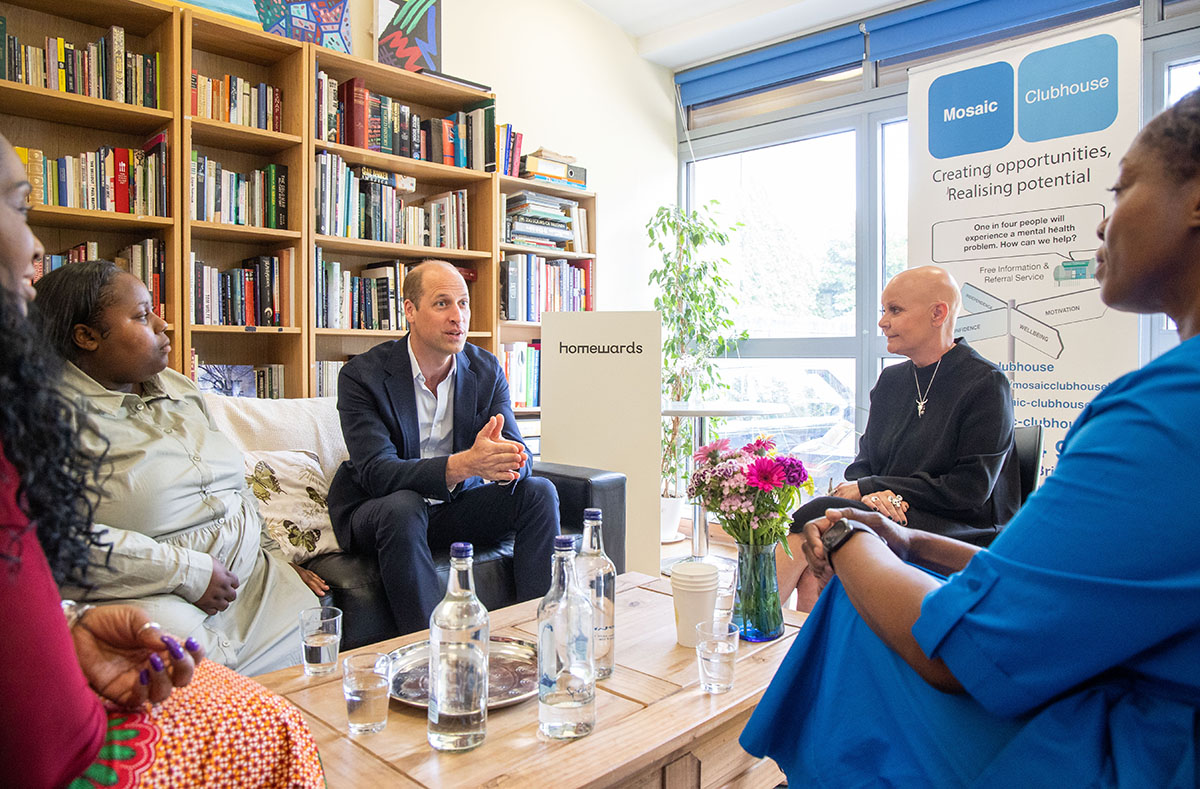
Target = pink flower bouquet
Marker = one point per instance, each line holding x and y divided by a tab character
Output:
752	491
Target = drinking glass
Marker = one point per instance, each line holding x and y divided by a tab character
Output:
716	650
321	636
365	680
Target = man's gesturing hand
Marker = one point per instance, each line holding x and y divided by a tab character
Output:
492	456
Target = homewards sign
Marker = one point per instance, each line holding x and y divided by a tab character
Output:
630	347
600	408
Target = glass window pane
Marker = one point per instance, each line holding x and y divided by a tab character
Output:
1182	79
895	199
793	261
818	426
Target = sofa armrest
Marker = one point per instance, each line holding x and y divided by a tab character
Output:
580	487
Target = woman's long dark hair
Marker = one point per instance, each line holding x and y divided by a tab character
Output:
38	437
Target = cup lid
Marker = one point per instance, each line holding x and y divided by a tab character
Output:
694	571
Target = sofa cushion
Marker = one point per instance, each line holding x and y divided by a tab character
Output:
310	424
290	491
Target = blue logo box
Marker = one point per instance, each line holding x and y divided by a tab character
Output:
1068	89
971	111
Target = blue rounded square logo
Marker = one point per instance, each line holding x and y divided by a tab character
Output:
1068	89
971	111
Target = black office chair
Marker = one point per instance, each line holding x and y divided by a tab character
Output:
1028	441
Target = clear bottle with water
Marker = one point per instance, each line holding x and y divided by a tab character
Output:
566	668
458	660
598	577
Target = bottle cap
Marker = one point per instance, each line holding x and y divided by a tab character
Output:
563	542
592	514
461	550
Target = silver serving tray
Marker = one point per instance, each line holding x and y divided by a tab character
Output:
512	672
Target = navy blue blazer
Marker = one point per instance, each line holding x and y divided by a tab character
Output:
378	411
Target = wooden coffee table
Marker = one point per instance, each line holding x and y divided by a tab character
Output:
654	728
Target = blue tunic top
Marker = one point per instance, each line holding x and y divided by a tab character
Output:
1076	636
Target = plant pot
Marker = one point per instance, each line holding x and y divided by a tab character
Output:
670	511
756	608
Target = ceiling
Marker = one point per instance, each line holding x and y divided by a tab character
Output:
682	33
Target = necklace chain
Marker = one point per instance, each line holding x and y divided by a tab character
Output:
921	399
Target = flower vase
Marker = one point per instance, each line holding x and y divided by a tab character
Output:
757	611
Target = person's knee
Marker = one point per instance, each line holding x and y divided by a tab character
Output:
540	493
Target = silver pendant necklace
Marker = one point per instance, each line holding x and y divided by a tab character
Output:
922	399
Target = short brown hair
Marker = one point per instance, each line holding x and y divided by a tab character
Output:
414	281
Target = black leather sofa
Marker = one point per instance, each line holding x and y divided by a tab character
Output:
354	580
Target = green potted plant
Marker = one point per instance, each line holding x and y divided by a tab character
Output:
693	298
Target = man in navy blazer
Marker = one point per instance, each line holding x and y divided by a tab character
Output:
435	454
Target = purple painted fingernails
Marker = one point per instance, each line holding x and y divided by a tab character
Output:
173	647
192	645
156	662
144	677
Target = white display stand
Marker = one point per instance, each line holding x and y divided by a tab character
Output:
600	386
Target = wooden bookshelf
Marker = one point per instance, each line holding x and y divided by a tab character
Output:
429	98
66	124
213	49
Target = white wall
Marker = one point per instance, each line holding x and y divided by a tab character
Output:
570	80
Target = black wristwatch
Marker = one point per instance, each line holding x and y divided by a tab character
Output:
839	533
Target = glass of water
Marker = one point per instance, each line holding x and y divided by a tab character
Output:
716	650
365	680
321	634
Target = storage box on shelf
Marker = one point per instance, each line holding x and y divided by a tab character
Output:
358	252
244	179
533	280
75	128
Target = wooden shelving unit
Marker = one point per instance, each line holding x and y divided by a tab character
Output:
427	97
213	49
65	124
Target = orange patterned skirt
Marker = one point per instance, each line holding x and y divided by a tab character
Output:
222	729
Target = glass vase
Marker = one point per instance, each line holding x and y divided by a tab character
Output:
757	611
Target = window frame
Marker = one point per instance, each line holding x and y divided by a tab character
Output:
1165	42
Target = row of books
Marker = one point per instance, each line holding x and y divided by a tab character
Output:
146	260
350	114
238	380
369	299
522	364
531	285
123	180
244	295
355	201
257	199
102	69
553	171
542	220
327	377
232	99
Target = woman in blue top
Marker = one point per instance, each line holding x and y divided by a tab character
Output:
1067	654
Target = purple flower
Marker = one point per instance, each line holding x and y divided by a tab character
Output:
766	474
794	470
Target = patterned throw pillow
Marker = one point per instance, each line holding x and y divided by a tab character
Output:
290	490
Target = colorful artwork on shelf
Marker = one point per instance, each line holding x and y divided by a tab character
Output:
409	34
323	22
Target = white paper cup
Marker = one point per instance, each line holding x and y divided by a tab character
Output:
694	589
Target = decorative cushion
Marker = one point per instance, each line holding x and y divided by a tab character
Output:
291	488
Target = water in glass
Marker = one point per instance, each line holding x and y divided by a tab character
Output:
458	660
598	577
566	666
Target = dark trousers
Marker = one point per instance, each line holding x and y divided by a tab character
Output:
402	528
815	508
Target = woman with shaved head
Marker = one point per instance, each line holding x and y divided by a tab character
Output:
937	454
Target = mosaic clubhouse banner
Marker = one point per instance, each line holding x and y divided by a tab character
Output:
1011	152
